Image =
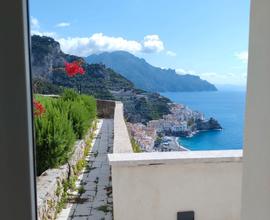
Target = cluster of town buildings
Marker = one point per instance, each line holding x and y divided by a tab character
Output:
181	119
145	136
181	122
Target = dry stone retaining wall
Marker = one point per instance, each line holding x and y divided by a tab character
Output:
52	179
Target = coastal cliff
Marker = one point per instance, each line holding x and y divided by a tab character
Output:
205	125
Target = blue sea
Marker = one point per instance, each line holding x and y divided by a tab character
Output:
228	107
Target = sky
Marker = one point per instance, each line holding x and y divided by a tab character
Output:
207	38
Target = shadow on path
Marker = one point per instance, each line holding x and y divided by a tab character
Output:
94	199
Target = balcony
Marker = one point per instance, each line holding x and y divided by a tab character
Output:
158	185
18	189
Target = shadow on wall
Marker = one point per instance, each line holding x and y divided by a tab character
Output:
105	108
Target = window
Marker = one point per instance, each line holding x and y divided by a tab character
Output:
26	139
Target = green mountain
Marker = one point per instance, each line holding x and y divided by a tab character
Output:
49	77
148	77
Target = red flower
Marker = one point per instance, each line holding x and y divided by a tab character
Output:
38	108
74	68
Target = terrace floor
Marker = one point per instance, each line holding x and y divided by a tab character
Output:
96	202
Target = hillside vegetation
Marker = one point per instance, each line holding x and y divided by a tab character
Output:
98	81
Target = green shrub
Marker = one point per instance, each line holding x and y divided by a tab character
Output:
79	119
54	138
69	95
90	104
66	118
82	111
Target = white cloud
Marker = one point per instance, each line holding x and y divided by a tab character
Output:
35	28
238	79
34	23
184	71
98	42
243	56
63	24
43	33
171	53
152	44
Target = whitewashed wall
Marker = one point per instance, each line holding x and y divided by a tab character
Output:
156	186
256	172
121	141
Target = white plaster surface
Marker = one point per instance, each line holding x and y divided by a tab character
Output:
155	186
211	187
256	175
121	141
135	159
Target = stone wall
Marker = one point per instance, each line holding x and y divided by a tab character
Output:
52	180
105	108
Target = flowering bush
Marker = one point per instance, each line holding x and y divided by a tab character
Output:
38	108
67	118
74	68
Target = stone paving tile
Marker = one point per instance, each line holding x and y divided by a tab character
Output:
95	203
97	214
80	218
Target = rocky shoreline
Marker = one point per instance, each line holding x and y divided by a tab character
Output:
170	143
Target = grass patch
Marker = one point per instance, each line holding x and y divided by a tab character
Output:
64	196
81	190
79	166
103	208
135	146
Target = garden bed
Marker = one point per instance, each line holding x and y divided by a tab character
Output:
59	122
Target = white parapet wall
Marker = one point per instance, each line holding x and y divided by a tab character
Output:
155	186
121	142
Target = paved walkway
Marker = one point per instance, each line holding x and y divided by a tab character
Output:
96	202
